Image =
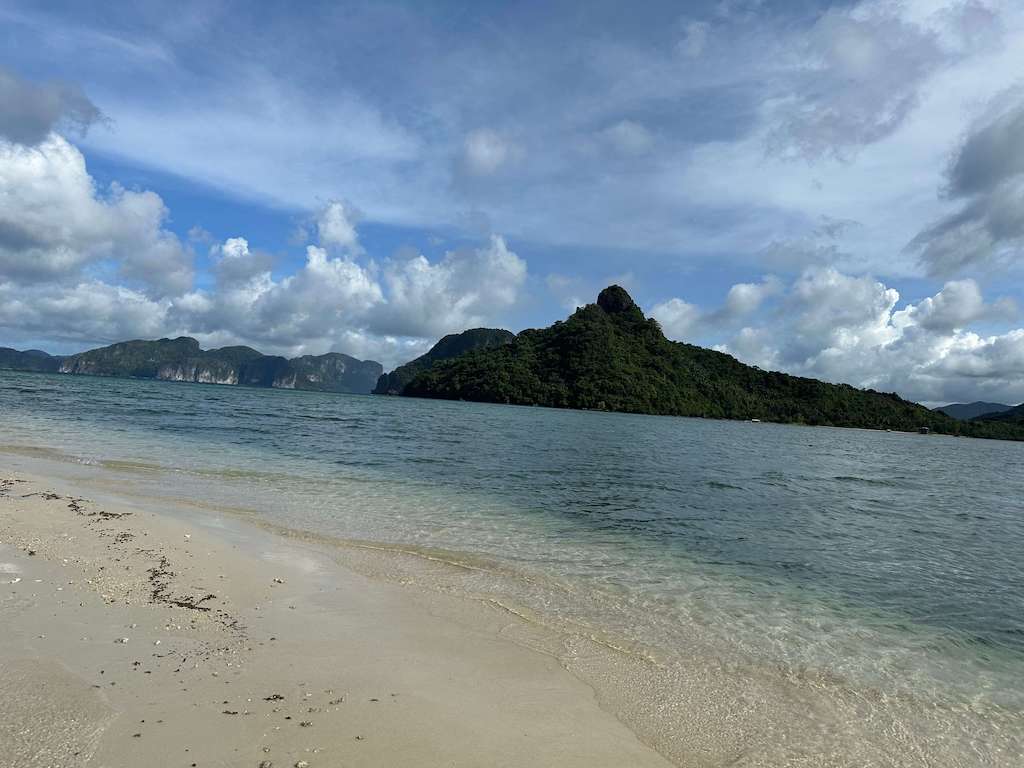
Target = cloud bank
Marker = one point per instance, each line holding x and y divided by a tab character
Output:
768	202
632	128
843	328
82	265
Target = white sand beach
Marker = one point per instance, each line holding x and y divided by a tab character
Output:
132	638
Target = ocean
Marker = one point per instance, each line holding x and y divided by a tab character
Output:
738	593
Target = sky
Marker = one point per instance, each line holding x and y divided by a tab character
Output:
833	189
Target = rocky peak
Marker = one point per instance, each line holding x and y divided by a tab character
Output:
614	299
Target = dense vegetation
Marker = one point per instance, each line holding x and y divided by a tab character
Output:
452	345
29	360
182	359
972	410
1011	417
608	356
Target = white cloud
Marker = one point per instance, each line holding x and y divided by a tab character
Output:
744	298
484	152
336	226
958	305
848	329
683	321
336	303
462	289
64	247
436	126
32	110
81	314
54	223
677	318
307	309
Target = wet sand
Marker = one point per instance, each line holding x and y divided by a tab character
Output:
134	638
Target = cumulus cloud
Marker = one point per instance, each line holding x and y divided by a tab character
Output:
82	265
337	303
683	321
336	227
744	298
389	313
850	329
677	318
54	223
958	305
987	178
462	289
31	111
79	314
235	265
324	297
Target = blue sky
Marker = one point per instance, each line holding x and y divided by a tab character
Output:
832	189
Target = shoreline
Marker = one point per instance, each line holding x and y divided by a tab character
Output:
135	638
701	705
769	421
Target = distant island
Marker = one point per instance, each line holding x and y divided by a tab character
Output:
182	359
607	356
452	345
972	410
1011	416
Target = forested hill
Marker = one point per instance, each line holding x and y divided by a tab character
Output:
452	345
29	360
972	410
1012	416
608	356
182	359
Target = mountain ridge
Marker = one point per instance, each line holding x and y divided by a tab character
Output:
967	411
1014	415
28	360
452	345
182	359
608	356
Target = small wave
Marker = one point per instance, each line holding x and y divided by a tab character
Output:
864	480
36	451
723	486
124	465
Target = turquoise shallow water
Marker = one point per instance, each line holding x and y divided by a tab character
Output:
885	563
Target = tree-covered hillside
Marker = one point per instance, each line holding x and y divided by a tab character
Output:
1013	416
29	360
608	356
972	410
452	345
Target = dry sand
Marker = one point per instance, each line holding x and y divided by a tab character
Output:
134	638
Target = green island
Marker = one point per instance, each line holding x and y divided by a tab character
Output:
452	345
606	356
609	357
